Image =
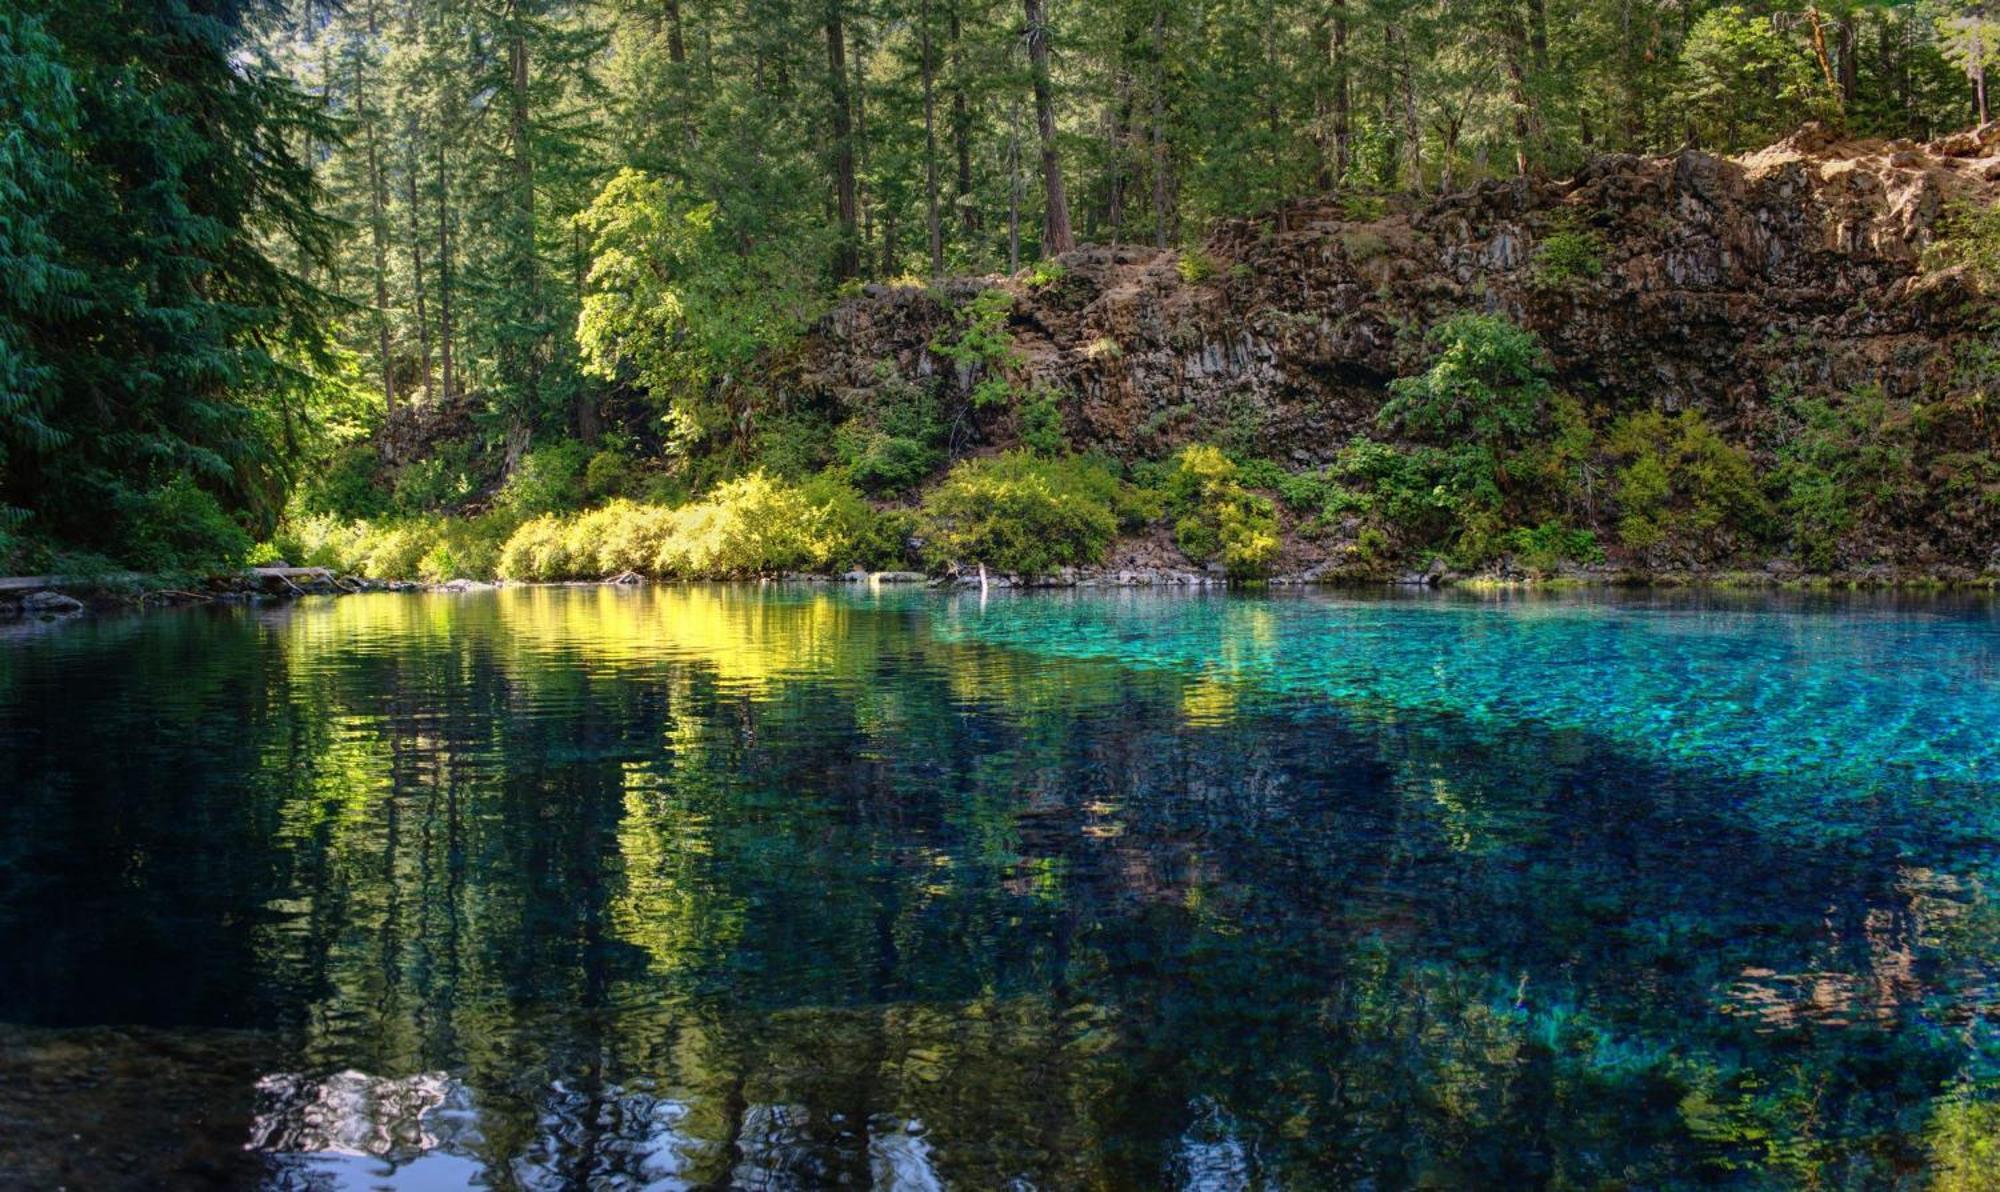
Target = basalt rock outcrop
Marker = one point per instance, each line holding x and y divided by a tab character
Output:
1714	280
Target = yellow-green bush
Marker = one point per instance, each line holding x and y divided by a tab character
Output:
1217	519
754	525
1023	515
432	549
1679	480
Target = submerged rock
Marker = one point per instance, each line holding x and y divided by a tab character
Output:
51	604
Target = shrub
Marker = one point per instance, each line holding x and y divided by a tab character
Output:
1196	266
984	347
1042	424
547	479
794	444
1567	256
1217	519
607	475
1361	206
1680	479
885	463
1971	241
1542	549
179	526
346	485
1023	515
538	550
1835	459
443	479
1046	273
1487	384
753	525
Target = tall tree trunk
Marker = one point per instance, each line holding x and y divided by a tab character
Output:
1413	132
1332	98
447	383
378	228
1056	235
526	265
1162	182
846	259
426	378
929	72
1979	61
1014	189
1514	48
1117	119
676	43
961	125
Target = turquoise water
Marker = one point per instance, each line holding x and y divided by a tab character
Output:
709	886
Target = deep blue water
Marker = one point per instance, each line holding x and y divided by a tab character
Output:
709	886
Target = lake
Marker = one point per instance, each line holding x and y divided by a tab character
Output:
797	887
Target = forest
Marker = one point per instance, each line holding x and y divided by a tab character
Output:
455	288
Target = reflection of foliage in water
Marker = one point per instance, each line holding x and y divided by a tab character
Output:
813	870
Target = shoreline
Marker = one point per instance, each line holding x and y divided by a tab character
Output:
60	598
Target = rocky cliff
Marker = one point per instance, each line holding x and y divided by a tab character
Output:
1675	282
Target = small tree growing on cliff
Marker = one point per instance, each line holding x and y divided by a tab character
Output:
1488	384
1484	400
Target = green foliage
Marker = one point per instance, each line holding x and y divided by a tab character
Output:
1543	549
796	444
981	345
754	525
884	463
442	480
1488	383
157	337
1964	1138
1042	423
549	479
1043	274
1196	266
348	485
1836	460
1681	482
609	474
1567	256
1216	518
1362	206
179	527
1970	241
1022	515
1743	81
673	308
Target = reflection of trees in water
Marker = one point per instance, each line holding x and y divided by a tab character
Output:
691	882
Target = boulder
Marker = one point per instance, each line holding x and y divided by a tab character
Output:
51	604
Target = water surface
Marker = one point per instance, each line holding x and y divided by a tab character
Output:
710	886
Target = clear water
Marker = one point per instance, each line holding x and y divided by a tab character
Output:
706	887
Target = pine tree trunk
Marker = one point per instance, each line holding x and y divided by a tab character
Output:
961	126
427	378
378	222
676	44
1057	238
846	261
378	227
526	265
1162	181
929	73
1014	190
446	382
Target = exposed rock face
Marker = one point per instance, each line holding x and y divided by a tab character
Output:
1715	283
